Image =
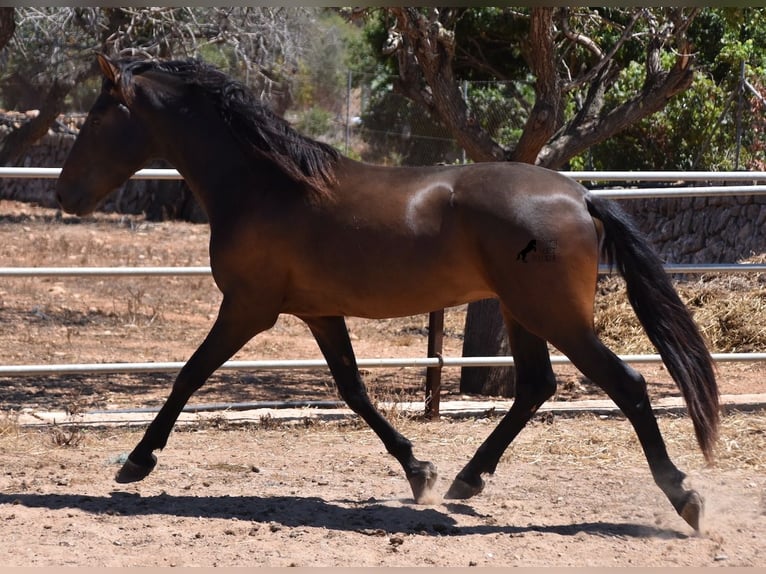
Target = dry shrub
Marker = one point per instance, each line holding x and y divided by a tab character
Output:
729	309
70	435
9	424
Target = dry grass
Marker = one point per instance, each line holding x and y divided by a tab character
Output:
582	440
726	306
742	442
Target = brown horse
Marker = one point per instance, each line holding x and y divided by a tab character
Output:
297	228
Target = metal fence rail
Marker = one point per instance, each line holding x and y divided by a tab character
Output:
677	268
635	176
314	364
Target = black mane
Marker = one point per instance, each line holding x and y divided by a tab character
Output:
255	126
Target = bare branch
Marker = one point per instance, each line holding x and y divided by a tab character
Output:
595	70
578	38
425	49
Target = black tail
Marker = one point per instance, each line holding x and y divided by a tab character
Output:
663	315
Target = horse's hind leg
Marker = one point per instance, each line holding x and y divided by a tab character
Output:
535	383
627	388
333	339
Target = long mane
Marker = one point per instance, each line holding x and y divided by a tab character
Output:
255	126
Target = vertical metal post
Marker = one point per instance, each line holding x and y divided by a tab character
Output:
348	111
434	374
465	99
740	98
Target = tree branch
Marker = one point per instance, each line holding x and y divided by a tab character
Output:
607	58
586	130
425	50
546	115
15	145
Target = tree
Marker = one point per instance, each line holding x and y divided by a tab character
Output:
7	25
574	58
50	51
730	48
49	66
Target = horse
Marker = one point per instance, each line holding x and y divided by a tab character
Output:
522	255
298	228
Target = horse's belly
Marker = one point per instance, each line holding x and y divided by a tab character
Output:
378	294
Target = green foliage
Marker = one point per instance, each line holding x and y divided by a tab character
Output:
497	110
323	71
697	129
314	122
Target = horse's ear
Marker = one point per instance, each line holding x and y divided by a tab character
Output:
109	69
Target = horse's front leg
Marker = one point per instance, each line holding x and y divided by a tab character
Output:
333	339
231	330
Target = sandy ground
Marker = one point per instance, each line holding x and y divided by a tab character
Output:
570	491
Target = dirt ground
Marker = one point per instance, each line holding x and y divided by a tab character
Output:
570	491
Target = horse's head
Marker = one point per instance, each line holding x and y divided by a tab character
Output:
112	144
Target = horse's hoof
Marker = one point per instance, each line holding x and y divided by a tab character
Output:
133	472
461	490
692	510
422	482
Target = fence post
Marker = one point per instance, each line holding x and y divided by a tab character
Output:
434	374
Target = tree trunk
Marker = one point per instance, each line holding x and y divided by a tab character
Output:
15	145
485	335
7	25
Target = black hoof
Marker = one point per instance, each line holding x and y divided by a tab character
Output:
461	490
133	472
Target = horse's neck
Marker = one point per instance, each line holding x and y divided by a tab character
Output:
214	167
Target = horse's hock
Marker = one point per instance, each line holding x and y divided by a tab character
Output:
686	230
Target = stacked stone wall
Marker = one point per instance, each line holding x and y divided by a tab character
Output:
703	229
157	199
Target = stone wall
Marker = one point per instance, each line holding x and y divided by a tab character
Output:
688	230
703	229
157	199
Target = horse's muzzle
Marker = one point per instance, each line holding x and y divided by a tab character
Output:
70	200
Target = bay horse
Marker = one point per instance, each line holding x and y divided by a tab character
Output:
296	227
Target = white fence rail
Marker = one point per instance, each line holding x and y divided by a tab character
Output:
314	364
634	176
428	362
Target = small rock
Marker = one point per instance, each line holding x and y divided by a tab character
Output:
720	557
